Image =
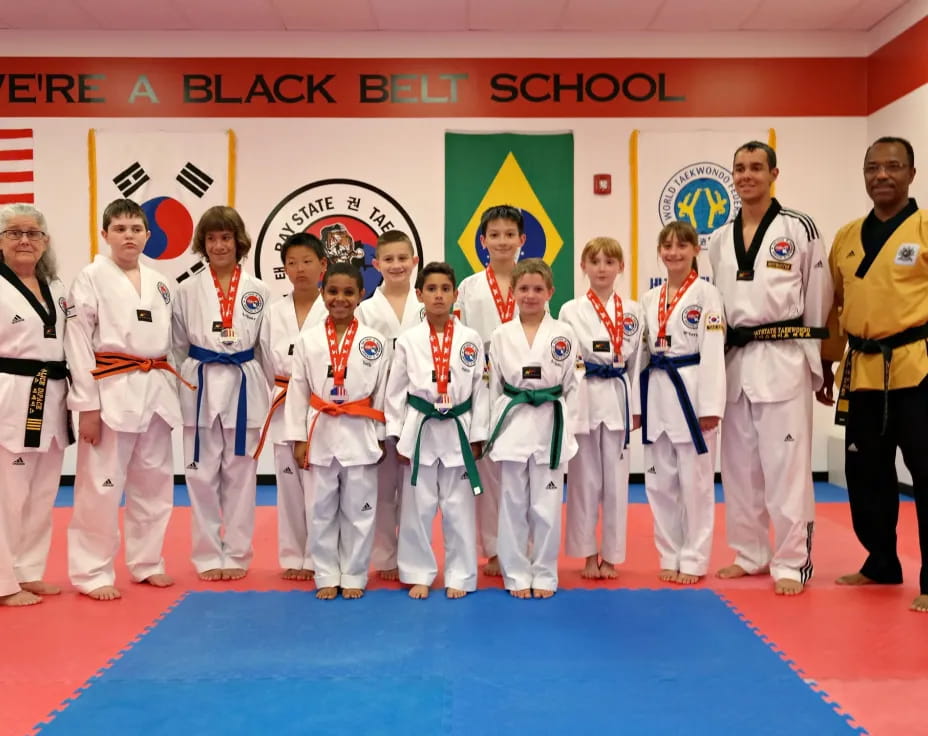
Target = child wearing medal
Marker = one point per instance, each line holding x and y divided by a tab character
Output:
608	334
216	325
533	384
437	408
682	379
334	416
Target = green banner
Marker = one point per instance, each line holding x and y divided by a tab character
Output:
532	172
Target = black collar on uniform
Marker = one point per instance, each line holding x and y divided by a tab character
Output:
746	257
875	232
48	317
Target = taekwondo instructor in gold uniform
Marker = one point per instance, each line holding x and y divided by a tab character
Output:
880	269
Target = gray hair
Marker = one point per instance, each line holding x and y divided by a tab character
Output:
46	269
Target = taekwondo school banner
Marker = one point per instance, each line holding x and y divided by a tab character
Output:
175	177
532	172
681	175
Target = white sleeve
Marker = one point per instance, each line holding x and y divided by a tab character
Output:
480	413
180	341
378	395
395	406
571	384
263	350
84	395
818	290
297	401
496	376
633	369
711	384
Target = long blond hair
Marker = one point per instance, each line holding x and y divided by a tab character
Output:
47	268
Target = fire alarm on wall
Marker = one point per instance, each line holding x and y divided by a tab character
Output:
602	183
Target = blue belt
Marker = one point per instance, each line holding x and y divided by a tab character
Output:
241	417
602	370
662	362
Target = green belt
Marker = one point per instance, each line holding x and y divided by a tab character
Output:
535	397
430	412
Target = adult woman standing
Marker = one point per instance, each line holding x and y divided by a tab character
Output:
33	427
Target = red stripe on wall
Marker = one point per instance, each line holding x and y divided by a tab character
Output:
16	133
898	67
14	198
16	155
8	176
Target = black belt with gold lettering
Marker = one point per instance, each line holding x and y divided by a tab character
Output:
884	346
788	329
41	372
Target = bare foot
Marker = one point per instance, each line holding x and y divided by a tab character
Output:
392	574
687	579
731	571
328	593
855	578
291	573
920	604
607	570
668	576
455	593
591	568
159	580
20	598
521	593
352	593
542	593
419	592
491	569
104	593
211	576
40	587
783	586
233	573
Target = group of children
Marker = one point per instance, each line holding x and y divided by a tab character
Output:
470	398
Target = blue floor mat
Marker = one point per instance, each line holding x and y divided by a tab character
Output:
618	661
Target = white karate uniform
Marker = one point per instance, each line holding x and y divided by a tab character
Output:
30	475
532	491
342	452
279	331
137	409
442	479
221	484
377	312
679	482
767	445
598	474
476	309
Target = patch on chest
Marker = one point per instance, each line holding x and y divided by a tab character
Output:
782	249
371	348
630	325
560	348
690	316
906	254
469	354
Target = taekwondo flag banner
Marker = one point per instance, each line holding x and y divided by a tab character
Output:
16	173
681	175
534	172
174	177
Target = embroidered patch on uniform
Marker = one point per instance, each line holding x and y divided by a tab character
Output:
329	373
370	347
290	349
64	306
906	254
17	319
782	249
531	371
252	302
217	327
714	321
143	315
602	346
630	325
780	265
691	315
560	349
435	377
163	290
19	461
469	354
819	264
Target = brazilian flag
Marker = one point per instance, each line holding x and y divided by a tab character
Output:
532	172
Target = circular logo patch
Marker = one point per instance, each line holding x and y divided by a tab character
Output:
560	348
702	194
252	302
163	290
371	348
691	315
782	249
630	325
469	354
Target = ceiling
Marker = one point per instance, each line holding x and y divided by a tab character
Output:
514	16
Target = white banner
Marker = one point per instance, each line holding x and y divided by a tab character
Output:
174	176
682	175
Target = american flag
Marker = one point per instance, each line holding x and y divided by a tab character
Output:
16	176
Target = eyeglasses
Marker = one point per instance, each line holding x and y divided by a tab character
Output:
34	235
893	167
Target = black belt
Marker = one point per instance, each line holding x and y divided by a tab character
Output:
41	372
885	347
788	329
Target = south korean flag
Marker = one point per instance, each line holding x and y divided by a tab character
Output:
174	176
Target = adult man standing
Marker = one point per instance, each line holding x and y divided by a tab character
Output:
880	268
769	264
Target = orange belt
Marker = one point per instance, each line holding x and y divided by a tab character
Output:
112	364
280	382
359	408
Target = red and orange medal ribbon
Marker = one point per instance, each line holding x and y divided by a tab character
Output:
227	302
613	328
441	363
338	357
505	309
664	310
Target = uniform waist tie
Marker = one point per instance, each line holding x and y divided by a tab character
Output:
662	362
41	372
430	412
241	415
357	408
601	370
535	397
788	329
282	382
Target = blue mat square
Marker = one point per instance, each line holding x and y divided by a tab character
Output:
622	661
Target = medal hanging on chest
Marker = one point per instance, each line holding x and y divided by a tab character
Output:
441	364
338	358
664	310
227	333
613	328
506	309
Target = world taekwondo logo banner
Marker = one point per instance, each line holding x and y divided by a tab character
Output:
175	177
532	172
681	175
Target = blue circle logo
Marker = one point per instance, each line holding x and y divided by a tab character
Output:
702	194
